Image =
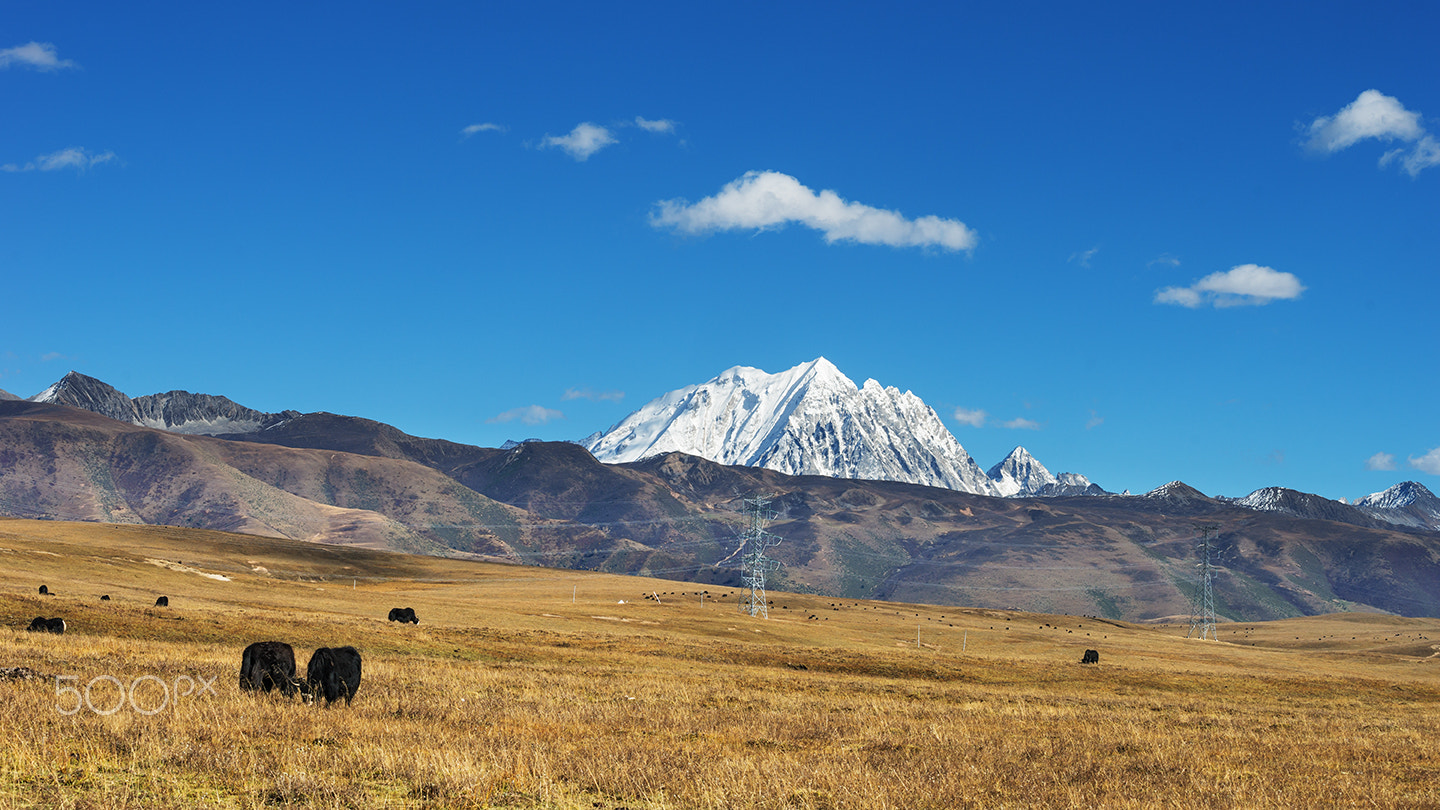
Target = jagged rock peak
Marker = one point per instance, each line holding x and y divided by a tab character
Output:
174	411
1019	474
808	420
79	391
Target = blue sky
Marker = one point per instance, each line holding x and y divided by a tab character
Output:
1146	241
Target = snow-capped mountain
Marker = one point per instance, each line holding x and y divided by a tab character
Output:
1405	504
1019	474
1302	504
809	420
1070	484
174	411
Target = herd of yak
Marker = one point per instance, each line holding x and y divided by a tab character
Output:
265	666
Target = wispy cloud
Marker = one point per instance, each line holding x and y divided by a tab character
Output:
662	125
1083	257
1430	462
530	415
763	200
486	127
593	396
965	416
1095	420
1164	259
1380	461
34	55
73	158
583	141
1021	423
1375	115
1246	284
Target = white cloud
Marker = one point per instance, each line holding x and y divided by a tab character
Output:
1423	155
663	125
1375	115
530	415
34	55
72	158
762	200
1021	423
487	127
1429	463
965	416
1096	420
1246	284
594	396
1083	257
1165	259
583	141
1380	461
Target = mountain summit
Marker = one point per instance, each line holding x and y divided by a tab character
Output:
1020	474
173	411
809	420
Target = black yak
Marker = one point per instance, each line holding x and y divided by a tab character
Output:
269	665
1090	657
43	625
404	614
333	673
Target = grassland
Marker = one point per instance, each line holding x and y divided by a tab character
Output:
527	687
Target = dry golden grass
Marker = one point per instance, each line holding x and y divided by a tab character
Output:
510	694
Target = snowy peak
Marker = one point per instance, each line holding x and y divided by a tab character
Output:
1399	496
808	420
1405	504
1301	504
1020	474
1070	484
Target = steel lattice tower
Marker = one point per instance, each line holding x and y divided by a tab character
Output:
753	560
1202	609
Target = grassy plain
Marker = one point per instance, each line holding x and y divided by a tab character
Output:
527	687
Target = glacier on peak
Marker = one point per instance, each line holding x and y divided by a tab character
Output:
807	420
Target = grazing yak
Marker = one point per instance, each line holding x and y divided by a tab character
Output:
334	672
403	615
43	625
163	601
268	665
1090	657
44	591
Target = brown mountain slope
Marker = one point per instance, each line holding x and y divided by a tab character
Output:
679	517
65	463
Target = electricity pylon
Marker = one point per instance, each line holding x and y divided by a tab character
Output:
1202	609
752	557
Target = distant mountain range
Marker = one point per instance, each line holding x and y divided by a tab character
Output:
341	479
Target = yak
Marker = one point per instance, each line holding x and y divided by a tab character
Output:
43	625
333	673
163	601
269	665
403	615
1090	657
